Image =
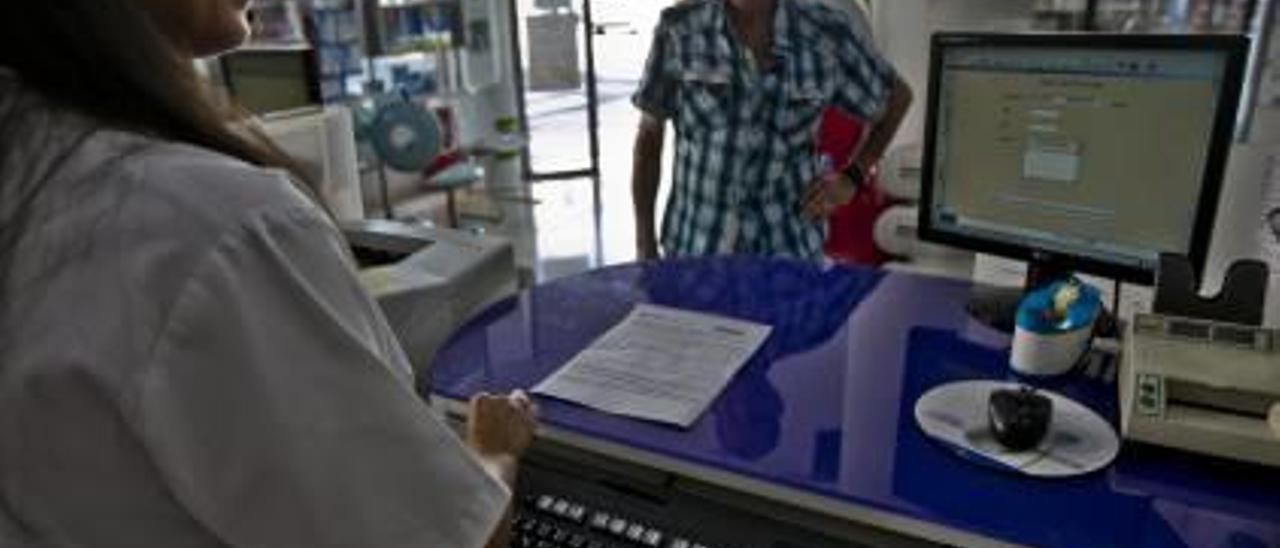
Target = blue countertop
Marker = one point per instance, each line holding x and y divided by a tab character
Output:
826	406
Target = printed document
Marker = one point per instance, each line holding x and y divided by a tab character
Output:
659	364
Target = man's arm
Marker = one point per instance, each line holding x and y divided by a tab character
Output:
883	130
824	196
656	97
645	178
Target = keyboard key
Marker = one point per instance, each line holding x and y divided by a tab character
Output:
600	520
618	526
635	532
679	543
544	530
544	544
577	541
560	536
577	512
652	538
545	502
560	508
527	541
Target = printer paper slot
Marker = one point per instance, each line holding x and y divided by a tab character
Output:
1236	402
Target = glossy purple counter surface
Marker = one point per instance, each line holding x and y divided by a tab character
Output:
826	407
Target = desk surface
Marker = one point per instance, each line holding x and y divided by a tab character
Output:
825	407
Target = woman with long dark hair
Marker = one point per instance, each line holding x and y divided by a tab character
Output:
186	357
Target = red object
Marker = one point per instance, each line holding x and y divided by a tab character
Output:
851	228
442	162
448	131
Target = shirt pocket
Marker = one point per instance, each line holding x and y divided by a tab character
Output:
807	90
799	113
706	100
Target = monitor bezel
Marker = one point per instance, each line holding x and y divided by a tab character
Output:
1235	48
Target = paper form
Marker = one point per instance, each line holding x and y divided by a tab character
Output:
660	364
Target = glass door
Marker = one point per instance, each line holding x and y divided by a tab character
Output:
558	88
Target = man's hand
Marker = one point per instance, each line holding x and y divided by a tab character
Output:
501	426
827	194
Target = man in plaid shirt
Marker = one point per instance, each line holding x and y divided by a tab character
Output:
745	83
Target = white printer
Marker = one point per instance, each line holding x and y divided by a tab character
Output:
1202	386
429	281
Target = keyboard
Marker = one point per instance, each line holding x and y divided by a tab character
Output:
548	521
566	498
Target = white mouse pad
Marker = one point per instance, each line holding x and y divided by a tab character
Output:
1078	441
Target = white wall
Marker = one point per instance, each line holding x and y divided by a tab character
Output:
1239	211
1238	233
903	29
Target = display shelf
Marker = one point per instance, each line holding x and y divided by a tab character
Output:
394	4
277	21
336	32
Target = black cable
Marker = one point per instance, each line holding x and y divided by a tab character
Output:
1109	321
1115	301
387	212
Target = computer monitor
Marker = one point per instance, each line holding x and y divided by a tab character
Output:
1080	152
266	79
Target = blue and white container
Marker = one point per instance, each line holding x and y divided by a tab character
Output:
1054	328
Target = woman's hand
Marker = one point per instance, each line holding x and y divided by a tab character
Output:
501	427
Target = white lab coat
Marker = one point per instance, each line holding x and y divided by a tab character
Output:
188	360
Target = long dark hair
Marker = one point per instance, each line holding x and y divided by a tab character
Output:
106	61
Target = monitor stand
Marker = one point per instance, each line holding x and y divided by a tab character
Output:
997	307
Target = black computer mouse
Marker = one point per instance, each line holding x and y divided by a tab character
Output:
1019	418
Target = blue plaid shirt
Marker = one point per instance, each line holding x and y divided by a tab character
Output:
745	138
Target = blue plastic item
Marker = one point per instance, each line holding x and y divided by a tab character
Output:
1035	311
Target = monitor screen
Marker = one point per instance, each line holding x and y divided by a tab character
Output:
265	80
1102	150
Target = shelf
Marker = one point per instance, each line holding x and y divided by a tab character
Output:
402	4
265	45
341	75
339	42
340	6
